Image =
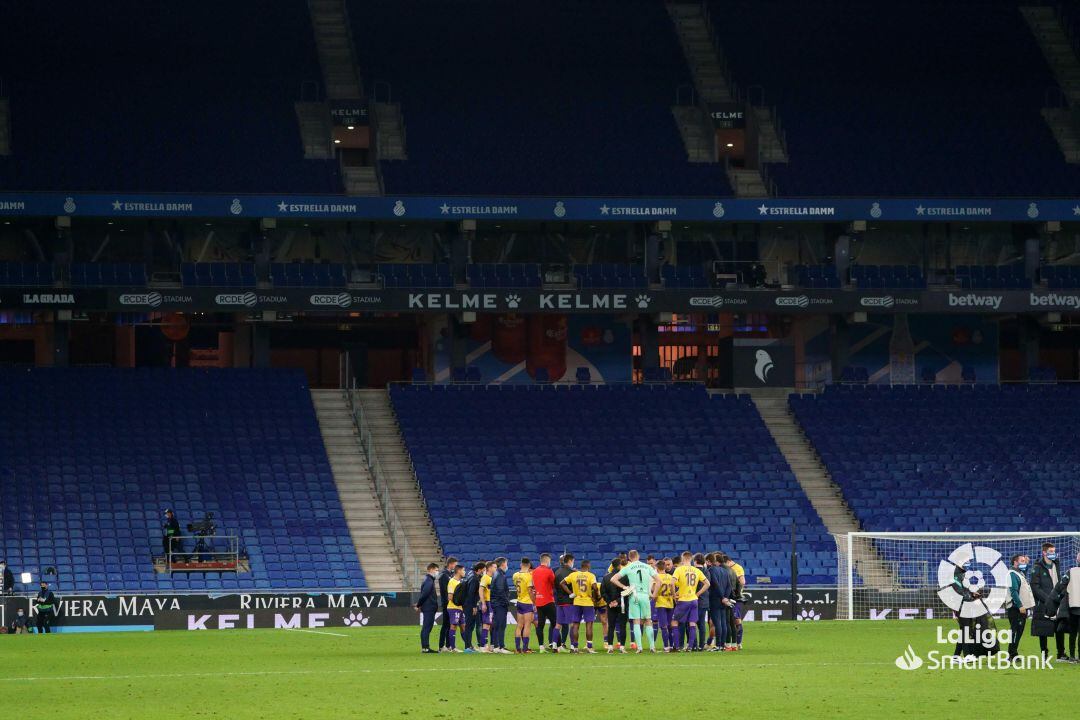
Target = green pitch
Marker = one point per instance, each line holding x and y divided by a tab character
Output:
788	670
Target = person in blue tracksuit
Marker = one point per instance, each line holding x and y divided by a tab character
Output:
721	598
444	580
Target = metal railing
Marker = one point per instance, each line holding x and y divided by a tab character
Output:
399	541
202	549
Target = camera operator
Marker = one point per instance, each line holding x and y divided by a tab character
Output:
7	581
170	536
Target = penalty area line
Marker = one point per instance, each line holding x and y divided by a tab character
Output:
318	632
366	671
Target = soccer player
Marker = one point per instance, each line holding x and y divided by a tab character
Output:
455	613
600	608
563	603
663	594
702	564
642	582
487	613
690	583
737	609
543	579
526	599
579	586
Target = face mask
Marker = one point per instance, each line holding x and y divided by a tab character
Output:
1022	566
1051	556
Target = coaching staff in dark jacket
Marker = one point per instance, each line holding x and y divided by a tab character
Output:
427	605
612	596
45	604
1044	576
500	605
444	579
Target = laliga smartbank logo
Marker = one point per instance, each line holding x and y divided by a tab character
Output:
982	649
973	582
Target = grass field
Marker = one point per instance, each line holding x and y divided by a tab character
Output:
788	670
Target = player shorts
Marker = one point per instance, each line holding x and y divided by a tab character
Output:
525	608
663	616
580	614
638	607
488	616
737	611
600	611
652	609
456	617
686	611
562	614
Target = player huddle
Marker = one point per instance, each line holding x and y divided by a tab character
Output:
684	604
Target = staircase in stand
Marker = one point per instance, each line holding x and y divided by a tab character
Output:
1060	54
5	127
388	447
315	130
389	131
359	499
333	43
692	25
697	133
814	479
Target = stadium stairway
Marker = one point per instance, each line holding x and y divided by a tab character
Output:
1053	39
389	131
5	126
810	472
334	47
389	446
363	515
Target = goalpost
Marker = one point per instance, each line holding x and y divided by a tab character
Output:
878	573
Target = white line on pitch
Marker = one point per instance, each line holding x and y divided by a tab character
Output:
318	632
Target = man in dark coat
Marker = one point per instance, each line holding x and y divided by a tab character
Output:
1044	578
612	595
444	579
427	605
500	606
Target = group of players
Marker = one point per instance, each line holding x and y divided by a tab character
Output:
692	601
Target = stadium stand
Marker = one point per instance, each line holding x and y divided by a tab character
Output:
1060	277
26	273
188	103
416	275
108	274
307	275
516	470
684	276
956	458
610	275
90	459
506	98
907	64
992	277
892	277
504	275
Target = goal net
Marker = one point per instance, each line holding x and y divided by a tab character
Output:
883	576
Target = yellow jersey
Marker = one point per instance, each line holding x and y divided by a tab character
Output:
740	574
687	580
485	588
582	583
454	582
598	597
665	591
523	582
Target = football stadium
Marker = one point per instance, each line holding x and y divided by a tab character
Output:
713	348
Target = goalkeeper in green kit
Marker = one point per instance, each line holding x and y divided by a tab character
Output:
642	579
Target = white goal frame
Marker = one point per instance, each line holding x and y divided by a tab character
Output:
853	547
